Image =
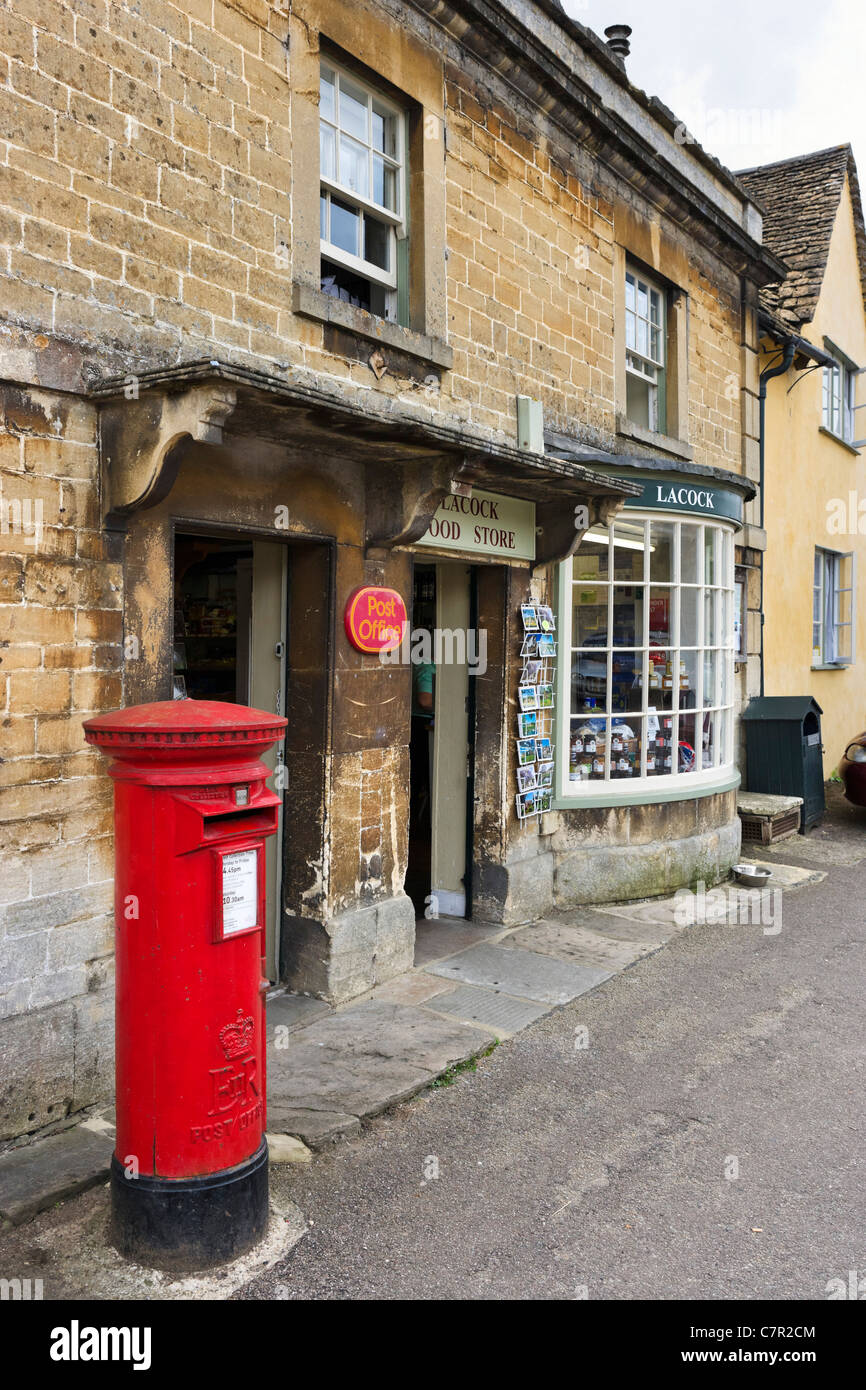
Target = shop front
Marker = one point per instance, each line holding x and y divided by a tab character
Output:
648	615
251	517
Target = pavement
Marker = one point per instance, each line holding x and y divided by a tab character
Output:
629	1076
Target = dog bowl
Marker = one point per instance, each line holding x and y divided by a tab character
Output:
752	874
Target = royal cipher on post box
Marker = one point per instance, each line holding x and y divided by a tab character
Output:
189	1176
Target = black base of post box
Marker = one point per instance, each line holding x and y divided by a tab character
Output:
188	1224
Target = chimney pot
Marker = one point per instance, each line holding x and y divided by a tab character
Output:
618	36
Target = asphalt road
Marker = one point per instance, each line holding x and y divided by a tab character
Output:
607	1171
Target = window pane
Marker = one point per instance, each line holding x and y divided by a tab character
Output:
384	131
712	574
688	679
711	669
590	616
639	402
628	556
384	184
326	94
587	746
642	302
661	617
377	243
661	678
625	748
591	558
345	227
689	552
629	292
687	755
589	682
323	217
354	166
712	635
353	109
689	599
726	693
662	551
626	677
642	341
327	151
627	616
710	739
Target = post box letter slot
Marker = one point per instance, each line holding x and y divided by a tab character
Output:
252	822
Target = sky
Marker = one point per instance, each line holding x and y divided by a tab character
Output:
753	80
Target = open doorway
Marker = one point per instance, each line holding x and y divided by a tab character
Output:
230	603
438	877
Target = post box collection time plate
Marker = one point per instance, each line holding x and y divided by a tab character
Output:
238	891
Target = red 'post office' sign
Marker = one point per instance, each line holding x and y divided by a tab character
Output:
375	619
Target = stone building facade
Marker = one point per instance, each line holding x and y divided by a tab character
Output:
226	350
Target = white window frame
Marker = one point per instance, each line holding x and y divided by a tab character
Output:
718	702
647	367
394	219
833	634
837	397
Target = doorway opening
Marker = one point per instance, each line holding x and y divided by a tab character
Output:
229	628
442	739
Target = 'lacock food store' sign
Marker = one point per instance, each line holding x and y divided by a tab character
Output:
484	524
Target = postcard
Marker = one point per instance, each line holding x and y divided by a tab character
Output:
545	775
527	724
529	614
528	697
526	778
525	751
545	695
543	750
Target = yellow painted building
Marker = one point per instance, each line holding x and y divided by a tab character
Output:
813	329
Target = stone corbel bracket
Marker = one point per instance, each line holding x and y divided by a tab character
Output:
561	525
143	441
402	498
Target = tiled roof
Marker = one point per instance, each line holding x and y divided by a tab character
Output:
799	199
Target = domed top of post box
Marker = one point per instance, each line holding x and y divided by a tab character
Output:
184	731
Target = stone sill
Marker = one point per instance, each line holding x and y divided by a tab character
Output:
665	443
313	304
837	439
647	798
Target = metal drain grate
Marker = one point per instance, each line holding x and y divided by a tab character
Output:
483	1006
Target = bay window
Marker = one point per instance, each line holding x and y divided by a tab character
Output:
362	206
647	631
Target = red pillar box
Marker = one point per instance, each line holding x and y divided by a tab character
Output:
189	1175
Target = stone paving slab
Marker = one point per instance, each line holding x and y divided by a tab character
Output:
502	1013
414	988
315	1127
527	974
580	945
434	940
358	1061
294	1010
784	876
38	1175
